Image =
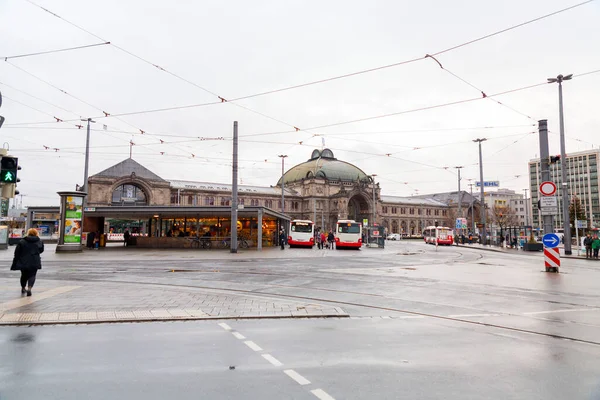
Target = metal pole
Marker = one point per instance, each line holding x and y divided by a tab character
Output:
547	220
526	208
472	211
87	158
234	191
563	167
373	209
283	156
459	215
482	193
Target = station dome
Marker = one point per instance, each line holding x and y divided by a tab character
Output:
323	165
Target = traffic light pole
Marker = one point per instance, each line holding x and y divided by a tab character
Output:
233	248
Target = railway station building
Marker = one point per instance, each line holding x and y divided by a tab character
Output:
163	212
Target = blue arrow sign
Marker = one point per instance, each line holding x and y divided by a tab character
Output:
551	240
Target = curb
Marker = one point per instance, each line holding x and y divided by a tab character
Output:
132	320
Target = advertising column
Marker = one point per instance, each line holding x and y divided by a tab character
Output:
71	217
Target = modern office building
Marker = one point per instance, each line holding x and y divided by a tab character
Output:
582	179
500	198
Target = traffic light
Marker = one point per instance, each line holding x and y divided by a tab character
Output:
8	169
554	159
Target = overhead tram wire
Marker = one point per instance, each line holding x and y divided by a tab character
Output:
84	102
54	51
232	101
221	98
477	88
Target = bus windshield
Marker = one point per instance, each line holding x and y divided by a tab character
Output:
349	228
302	227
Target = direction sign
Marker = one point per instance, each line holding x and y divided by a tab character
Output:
550	240
547	188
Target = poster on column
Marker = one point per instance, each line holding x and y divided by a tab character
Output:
73	219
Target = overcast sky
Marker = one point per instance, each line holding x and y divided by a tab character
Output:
239	48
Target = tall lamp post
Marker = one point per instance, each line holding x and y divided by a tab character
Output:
526	208
481	186
374	208
563	164
283	157
459	199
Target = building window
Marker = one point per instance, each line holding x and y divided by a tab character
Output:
444	213
385	210
437	212
411	211
419	211
394	210
174	198
295	206
402	210
209	201
428	211
241	201
224	201
190	199
269	203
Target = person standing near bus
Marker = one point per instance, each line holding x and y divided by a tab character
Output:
323	240
331	239
27	259
282	239
587	243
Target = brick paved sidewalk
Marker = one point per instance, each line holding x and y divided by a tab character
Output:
60	302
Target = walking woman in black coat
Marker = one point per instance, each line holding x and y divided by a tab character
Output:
27	259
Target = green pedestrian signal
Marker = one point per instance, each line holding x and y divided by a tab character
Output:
8	169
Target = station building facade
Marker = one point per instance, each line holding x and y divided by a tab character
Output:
323	189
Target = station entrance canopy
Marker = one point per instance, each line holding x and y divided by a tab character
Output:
170	226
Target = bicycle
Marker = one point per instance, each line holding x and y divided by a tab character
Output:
226	243
204	243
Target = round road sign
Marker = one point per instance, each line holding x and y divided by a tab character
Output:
547	188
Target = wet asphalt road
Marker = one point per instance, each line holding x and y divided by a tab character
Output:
345	358
456	323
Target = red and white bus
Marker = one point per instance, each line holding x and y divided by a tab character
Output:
441	234
302	233
348	234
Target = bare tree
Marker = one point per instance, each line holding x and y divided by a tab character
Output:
504	217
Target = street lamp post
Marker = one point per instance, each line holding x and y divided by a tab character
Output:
563	164
374	209
283	157
481	185
87	158
459	215
526	208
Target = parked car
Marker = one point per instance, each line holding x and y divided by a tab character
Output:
393	236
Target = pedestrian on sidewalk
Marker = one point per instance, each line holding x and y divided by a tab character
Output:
282	239
596	246
27	259
587	243
330	239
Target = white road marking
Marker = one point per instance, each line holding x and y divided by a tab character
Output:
238	335
272	360
252	345
225	326
37	296
297	377
411	316
559	311
321	394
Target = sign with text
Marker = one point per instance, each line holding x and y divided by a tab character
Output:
548	201
488	184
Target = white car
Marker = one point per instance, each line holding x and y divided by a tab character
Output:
393	236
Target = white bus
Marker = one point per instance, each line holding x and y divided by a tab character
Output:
302	233
441	234
348	234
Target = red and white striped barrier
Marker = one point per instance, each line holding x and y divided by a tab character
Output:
552	259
